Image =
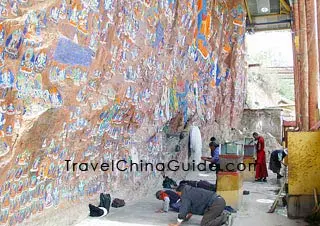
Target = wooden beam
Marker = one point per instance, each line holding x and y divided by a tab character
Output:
313	61
296	52
318	16
303	57
270	29
267	15
285	5
248	11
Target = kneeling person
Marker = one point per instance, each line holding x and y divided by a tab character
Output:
170	199
199	201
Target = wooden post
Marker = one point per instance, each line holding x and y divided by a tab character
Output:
313	61
318	17
303	56
296	61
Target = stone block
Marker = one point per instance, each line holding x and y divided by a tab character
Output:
233	198
229	181
300	206
248	174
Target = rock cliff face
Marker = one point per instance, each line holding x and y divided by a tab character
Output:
101	80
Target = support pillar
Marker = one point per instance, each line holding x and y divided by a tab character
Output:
318	17
304	95
313	61
296	66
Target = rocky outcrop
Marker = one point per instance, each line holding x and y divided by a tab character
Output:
99	80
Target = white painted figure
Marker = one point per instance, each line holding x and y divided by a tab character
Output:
195	144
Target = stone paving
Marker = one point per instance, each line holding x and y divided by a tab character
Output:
253	210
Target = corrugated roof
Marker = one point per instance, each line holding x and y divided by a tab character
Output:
268	15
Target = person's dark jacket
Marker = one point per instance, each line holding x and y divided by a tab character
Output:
173	196
197	184
195	201
275	162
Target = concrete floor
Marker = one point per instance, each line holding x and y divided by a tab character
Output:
252	212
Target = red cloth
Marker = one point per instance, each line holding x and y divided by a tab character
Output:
163	194
261	165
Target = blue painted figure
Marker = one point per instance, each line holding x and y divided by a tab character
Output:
6	79
14	9
108	4
2	34
54	14
94	43
63	10
42	19
95	5
183	102
40	61
2	120
27	61
13	43
9	130
73	15
159	35
1	58
53	74
55	97
83	21
31	26
10	109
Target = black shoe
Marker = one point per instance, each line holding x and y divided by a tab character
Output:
95	211
101	200
105	200
279	176
264	180
225	218
258	180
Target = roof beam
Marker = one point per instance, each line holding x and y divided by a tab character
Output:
269	15
284	4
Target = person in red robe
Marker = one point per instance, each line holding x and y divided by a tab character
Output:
261	165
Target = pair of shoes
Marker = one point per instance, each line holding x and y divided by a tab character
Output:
257	180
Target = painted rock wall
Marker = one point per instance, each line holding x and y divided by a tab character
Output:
95	80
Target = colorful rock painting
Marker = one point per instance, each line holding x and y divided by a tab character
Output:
100	79
40	61
13	43
27	62
6	79
203	28
70	53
